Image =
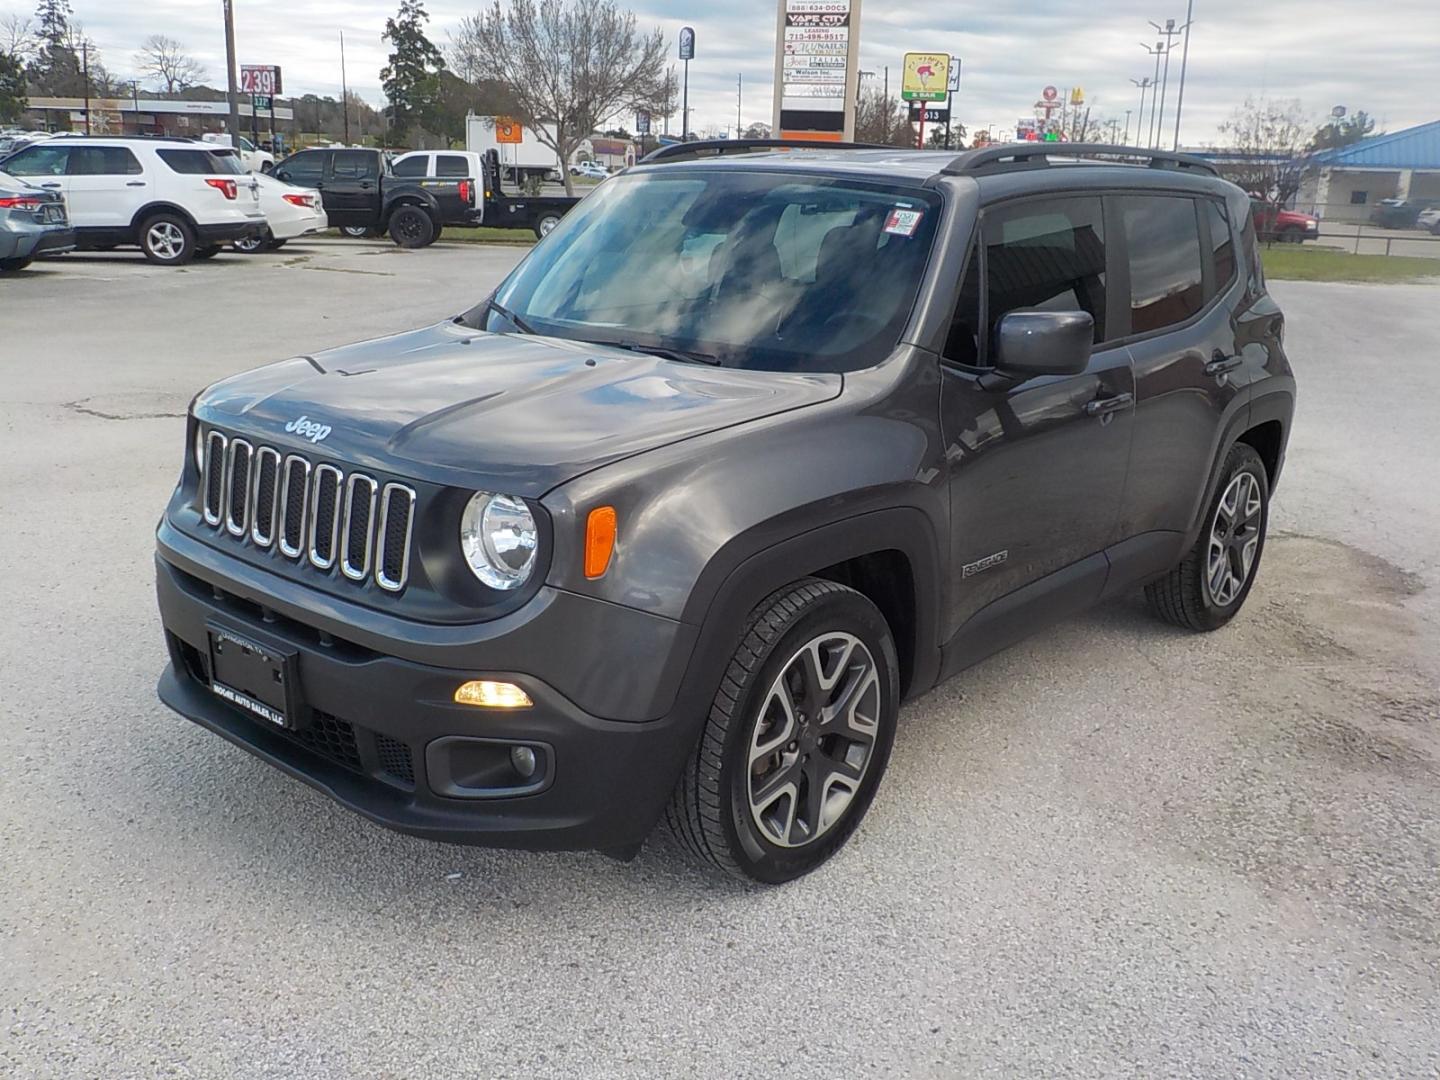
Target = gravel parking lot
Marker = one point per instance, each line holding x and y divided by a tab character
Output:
1114	849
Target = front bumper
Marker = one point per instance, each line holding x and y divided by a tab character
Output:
381	735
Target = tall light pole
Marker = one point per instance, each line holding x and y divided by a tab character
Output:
1184	63
1170	34
1127	123
1144	84
231	91
1157	52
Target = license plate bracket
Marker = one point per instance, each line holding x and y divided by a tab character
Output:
257	678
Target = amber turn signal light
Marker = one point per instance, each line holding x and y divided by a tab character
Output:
599	540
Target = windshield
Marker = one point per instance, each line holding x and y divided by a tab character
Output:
771	271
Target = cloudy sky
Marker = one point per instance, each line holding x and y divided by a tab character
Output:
1381	58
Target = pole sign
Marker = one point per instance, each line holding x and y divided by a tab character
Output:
930	114
508	131
260	79
262	101
642	123
687	43
954	83
926	78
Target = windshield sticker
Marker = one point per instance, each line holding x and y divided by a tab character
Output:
903	222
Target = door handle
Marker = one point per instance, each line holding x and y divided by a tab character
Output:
134	183
1222	364
54	185
1103	406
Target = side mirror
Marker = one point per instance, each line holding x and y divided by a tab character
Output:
1044	343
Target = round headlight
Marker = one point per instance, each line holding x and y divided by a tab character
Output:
199	449
498	538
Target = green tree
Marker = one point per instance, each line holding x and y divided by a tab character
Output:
412	77
12	89
1343	131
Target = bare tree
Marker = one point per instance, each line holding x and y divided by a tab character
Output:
165	60
1269	138
882	120
570	63
17	36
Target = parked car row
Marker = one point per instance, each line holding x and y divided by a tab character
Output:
181	199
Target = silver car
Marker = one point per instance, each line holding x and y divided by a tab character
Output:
33	222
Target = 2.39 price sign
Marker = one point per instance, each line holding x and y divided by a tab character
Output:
260	79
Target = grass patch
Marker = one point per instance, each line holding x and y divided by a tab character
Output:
523	237
1291	262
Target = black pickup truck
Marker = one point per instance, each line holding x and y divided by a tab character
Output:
361	193
499	209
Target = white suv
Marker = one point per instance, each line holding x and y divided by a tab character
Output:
177	199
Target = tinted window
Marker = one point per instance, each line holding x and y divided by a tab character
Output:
102	161
38	161
772	271
1045	255
201	162
304	169
354	165
1222	244
963	346
1165	275
412	166
451	165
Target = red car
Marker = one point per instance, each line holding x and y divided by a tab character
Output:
1274	222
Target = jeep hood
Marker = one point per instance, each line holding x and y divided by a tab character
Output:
510	413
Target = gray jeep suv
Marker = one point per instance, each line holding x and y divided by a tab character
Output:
752	448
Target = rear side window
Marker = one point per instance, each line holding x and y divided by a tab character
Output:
39	161
305	169
1222	244
354	165
200	162
451	165
103	161
411	166
1166	281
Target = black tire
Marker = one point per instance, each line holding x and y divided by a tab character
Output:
546	223
1292	236
710	811
9	266
438	230
274	245
252	245
167	239
209	251
1184	596
411	227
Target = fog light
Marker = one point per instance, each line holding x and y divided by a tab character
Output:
489	694
522	760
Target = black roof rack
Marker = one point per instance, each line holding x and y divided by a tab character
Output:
687	151
1032	155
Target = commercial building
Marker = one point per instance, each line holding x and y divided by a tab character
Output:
147	116
1344	184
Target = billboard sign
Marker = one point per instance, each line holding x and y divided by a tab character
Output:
926	78
815	44
687	43
261	79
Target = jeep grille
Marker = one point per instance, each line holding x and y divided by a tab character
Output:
316	515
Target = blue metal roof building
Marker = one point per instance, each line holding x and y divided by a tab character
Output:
1350	180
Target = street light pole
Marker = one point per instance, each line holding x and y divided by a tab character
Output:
1170	34
1127	124
1156	52
231	92
1184	63
1143	84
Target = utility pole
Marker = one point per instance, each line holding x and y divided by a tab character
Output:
1170	34
739	101
1184	63
231	92
1144	84
345	93
1156	52
1127	124
85	74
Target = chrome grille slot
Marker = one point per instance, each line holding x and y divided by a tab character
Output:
237	487
265	507
294	498
358	538
397	521
213	503
324	516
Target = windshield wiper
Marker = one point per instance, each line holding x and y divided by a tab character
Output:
505	313
666	353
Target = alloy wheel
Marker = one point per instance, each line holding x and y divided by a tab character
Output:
813	740
165	239
1234	539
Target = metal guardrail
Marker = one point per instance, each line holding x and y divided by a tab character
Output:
1355	236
